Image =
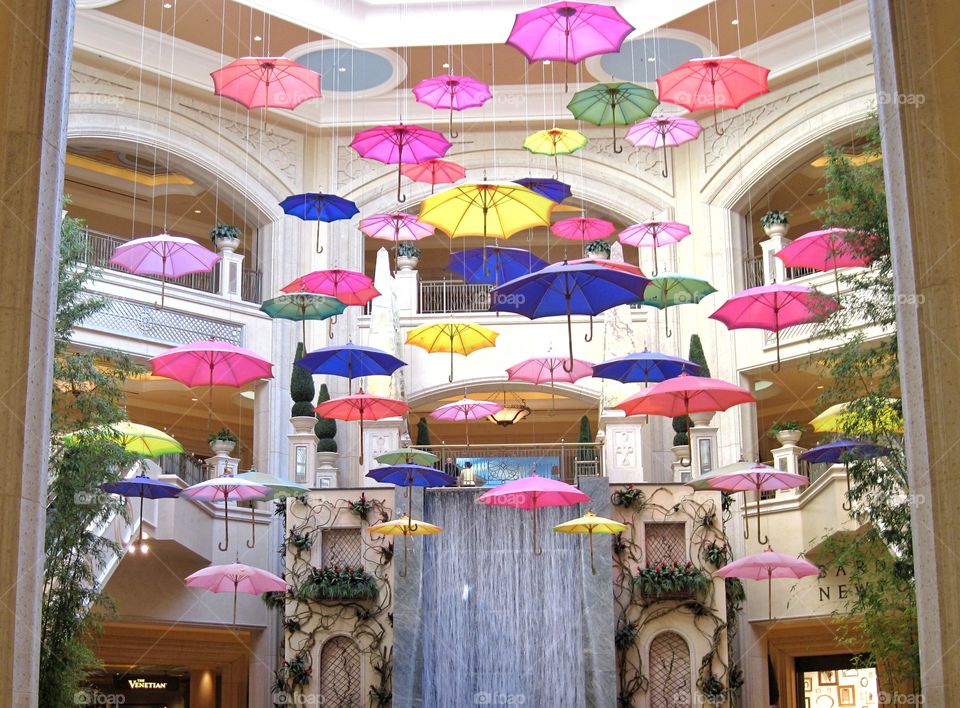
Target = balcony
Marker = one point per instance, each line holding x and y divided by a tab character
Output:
753	275
495	464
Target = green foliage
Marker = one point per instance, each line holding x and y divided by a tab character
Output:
681	424
223	434
628	497
423	433
300	540
716	554
712	688
361	507
780	426
597	247
338	583
275	599
625	636
775	217
224	231
663	581
326	428
585	450
407	250
293	674
697	356
301	386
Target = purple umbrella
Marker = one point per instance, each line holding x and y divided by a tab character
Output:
653	234
663	132
844	451
143	487
399	144
165	256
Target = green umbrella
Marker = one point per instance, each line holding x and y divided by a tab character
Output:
303	306
279	488
669	289
407	456
613	104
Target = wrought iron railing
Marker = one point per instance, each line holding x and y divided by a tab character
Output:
753	272
500	463
186	467
442	296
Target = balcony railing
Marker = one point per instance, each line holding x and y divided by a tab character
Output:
753	272
442	296
186	467
496	464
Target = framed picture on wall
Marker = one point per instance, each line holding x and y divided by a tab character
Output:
827	678
849	673
806	702
847	696
807	684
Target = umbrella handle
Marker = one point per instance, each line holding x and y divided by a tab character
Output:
253	528
655	270
140	542
666	325
537	550
846	506
361	440
617	150
226	526
330	323
593	567
452	134
450	376
762	540
319	247
403	571
568	365
588	337
776	367
400	197
664	170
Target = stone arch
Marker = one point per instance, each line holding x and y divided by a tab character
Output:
670	668
340	673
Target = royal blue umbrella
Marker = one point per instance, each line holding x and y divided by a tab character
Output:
411	476
584	287
552	189
645	366
317	206
143	487
494	264
350	361
844	451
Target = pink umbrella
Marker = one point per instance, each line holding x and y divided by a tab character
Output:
347	286
713	82
756	478
272	82
396	226
774	308
582	228
568	31
235	578
769	565
452	92
398	144
532	493
465	409
361	406
654	233
663	132
823	250
434	172
164	255
686	394
542	369
226	487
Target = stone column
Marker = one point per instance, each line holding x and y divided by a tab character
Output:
36	40
231	273
621	446
302	453
773	268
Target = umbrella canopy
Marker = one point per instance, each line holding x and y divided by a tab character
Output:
347	286
226	487
703	481
618	103
757	478
406	527
407	456
768	565
453	93
139	439
549	369
555	141
350	361
303	306
493	264
276	489
454	337
844	451
651	234
395	226
466	409
434	172
839	419
411	475
685	394
211	364
581	228
823	250
669	289
361	406
165	256
271	82
645	366
552	189
663	132
319	207
590	524
143	487
236	577
399	144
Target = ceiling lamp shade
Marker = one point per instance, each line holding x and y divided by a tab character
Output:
511	413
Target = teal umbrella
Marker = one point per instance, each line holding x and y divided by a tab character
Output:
303	306
279	489
669	289
618	103
407	456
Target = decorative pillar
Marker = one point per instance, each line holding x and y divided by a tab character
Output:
773	268
621	438
379	436
787	459
231	270
703	450
406	284
302	446
221	463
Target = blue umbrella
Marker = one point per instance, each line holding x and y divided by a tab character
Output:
844	451
317	206
580	288
645	366
552	189
143	487
350	361
494	264
411	476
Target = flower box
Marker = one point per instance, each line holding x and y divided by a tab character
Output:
339	583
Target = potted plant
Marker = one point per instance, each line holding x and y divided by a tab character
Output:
597	249
696	355
223	441
681	440
302	416
326	431
786	433
423	433
775	223
225	237
408	256
671	581
335	582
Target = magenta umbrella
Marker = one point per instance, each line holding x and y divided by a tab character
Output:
663	132
361	406
769	565
399	144
823	250
581	228
236	577
164	255
543	369
774	308
532	493
466	409
654	233
272	82
452	92
756	478
395	226
347	286
228	488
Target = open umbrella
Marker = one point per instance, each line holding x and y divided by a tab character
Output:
543	369
395	226
652	234
404	526
303	306
774	307
462	338
347	286
552	189
839	419
532	493
454	93
493	264
645	366
271	82
350	361
663	132
361	406
407	456
434	172
317	206
581	228
590	524
555	141
276	489
669	289
769	565
411	475
165	256
466	409
757	478
236	577
133	437
143	487
683	395
823	250
399	144
844	451
613	104
228	488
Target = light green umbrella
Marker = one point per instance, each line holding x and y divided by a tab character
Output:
619	103
668	289
408	455
132	437
303	306
279	489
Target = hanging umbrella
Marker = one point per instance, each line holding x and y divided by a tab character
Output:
462	338
317	206
466	409
757	478
266	82
669	289
143	487
453	93
663	132
582	228
645	366
543	369
713	82
702	483
844	451
347	286
493	264
585	288
839	419
399	144
277	489
552	189
236	577
407	456
411	475
532	493
823	250
683	395
590	524
613	104
165	256
555	141
404	526
396	226
774	308
653	234
228	488
303	306
769	565
361	406
568	31
350	361
434	172
133	437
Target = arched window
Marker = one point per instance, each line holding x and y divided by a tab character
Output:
340	674
669	666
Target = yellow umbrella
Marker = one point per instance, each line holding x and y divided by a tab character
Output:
404	526
555	141
454	337
590	524
132	437
837	419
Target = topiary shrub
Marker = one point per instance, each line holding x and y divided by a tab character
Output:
326	428
696	355
423	433
301	387
585	450
681	424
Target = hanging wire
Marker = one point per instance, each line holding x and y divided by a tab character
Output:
136	156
